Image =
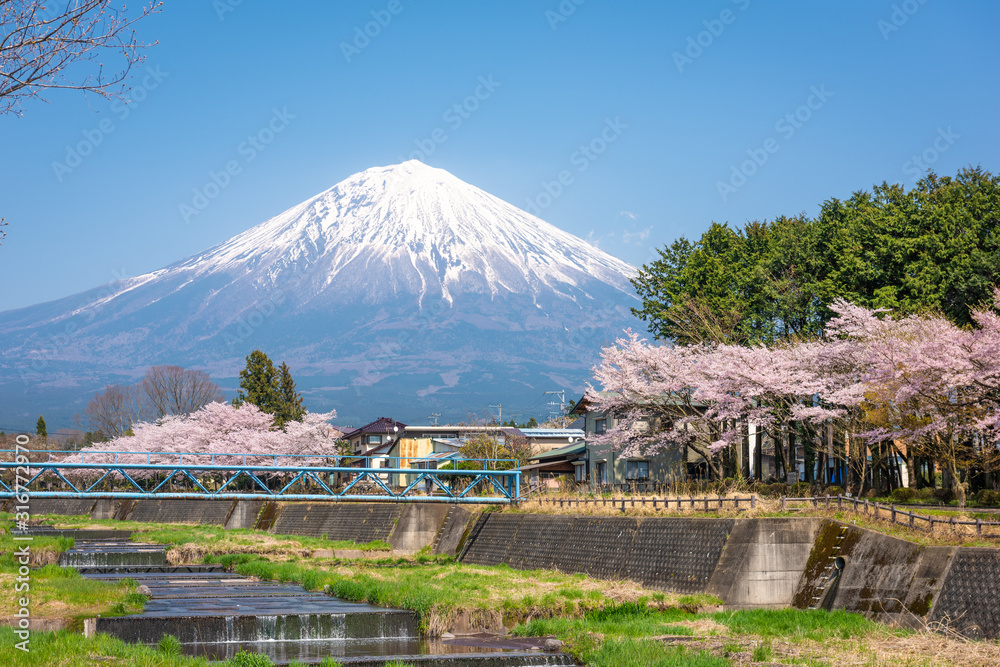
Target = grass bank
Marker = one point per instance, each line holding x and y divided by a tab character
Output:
56	593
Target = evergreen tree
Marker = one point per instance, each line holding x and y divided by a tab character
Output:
259	384
532	423
40	430
291	408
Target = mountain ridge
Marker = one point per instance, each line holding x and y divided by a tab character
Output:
395	271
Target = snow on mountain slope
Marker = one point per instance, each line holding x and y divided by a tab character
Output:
396	270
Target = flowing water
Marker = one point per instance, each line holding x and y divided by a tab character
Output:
217	614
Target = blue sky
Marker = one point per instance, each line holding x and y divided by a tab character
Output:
645	107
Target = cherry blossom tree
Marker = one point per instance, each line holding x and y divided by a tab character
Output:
931	384
228	432
919	380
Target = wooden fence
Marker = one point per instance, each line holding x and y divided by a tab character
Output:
891	513
894	514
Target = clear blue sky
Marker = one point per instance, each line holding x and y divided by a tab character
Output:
893	79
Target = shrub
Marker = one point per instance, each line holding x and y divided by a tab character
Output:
988	497
169	645
778	489
834	491
903	495
944	495
247	659
925	493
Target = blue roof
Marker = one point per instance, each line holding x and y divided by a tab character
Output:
553	432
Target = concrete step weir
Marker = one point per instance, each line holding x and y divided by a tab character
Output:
217	614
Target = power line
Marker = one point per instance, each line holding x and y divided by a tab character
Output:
562	404
499	408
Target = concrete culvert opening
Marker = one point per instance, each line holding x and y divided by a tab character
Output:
839	562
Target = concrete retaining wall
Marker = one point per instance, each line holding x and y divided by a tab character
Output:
357	522
54	506
674	554
205	512
763	562
969	599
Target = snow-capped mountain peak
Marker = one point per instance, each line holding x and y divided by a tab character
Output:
438	233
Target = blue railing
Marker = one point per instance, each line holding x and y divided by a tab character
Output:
354	478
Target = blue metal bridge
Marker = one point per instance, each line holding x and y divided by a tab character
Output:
176	475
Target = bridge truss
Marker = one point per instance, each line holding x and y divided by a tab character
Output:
163	475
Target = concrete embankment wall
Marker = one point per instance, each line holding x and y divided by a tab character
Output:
753	563
771	562
759	563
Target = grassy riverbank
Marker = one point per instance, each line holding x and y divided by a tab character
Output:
603	623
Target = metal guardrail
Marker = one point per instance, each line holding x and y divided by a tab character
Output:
218	479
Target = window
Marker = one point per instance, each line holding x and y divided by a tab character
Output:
637	470
602	472
374	440
581	472
600	426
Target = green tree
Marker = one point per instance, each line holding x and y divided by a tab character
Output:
935	247
40	430
259	384
290	408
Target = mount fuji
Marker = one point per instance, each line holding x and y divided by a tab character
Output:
401	290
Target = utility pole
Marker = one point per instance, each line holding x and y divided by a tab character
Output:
562	404
499	408
434	416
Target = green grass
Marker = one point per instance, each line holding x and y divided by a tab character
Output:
180	534
57	592
647	653
72	649
798	624
626	630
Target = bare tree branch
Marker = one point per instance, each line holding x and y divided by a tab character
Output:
172	390
54	45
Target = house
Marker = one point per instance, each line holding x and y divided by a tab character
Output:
373	435
604	468
546	471
387	443
546	439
